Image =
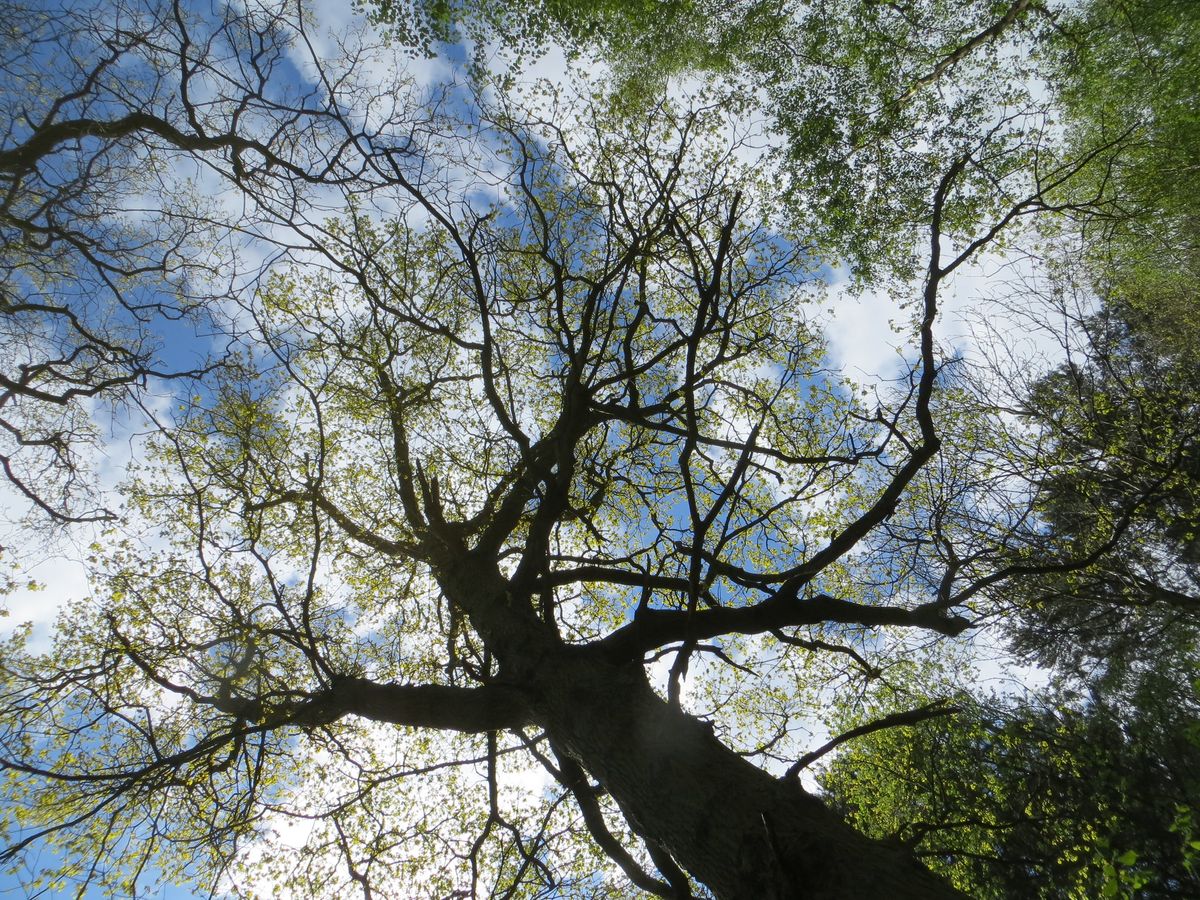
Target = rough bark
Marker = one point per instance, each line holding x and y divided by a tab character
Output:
485	708
740	831
737	829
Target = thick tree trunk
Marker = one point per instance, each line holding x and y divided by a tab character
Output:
740	831
743	833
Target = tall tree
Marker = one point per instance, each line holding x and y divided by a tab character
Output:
524	456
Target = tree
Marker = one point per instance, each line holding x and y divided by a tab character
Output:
1085	789
1052	798
1113	455
533	408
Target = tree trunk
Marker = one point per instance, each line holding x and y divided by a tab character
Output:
743	833
740	831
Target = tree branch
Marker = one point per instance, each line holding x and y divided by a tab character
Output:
572	776
909	717
490	707
653	628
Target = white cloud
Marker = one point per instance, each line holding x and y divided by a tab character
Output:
862	332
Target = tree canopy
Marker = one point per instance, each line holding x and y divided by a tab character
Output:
1088	788
502	522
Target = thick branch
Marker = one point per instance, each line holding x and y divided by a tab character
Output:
653	628
49	137
486	708
986	36
353	529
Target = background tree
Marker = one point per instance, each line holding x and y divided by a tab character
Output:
1053	798
1120	412
1087	785
873	101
